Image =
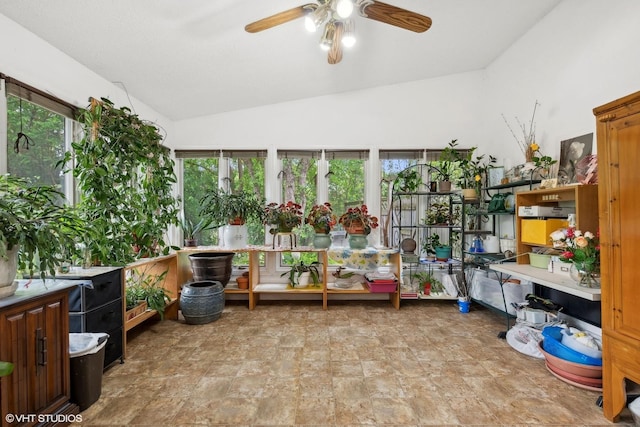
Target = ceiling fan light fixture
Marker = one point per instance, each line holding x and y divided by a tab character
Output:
327	37
349	33
344	8
314	19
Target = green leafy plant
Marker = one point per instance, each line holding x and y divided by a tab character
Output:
407	181
427	277
321	218
449	158
354	217
474	169
284	215
190	229
223	207
126	178
439	212
299	267
36	220
143	285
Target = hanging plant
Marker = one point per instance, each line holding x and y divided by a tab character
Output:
125	176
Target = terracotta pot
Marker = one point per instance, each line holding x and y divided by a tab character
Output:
243	282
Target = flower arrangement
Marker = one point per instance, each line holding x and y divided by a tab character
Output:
321	218
355	217
284	215
580	249
526	143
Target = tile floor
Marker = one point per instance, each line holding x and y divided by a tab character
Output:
358	363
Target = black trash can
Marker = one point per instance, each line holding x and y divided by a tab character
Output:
86	352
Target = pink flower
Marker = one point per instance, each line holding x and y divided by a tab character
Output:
570	233
567	255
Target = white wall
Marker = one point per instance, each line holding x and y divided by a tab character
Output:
427	113
28	58
585	53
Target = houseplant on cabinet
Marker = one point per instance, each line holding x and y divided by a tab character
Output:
126	177
36	228
191	229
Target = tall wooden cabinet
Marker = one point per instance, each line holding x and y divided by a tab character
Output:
34	336
618	134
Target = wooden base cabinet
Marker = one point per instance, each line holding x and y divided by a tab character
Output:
34	336
618	135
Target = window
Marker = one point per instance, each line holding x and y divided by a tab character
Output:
39	132
346	178
235	171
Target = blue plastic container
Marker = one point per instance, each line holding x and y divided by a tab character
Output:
552	344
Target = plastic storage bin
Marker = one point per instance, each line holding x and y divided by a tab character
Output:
86	352
488	291
552	344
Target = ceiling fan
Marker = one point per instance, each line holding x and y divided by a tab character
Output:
339	28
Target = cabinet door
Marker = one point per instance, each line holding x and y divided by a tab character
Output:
35	339
621	241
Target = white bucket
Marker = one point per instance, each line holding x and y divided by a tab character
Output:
492	244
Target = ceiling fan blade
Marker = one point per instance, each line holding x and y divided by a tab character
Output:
280	18
393	15
335	52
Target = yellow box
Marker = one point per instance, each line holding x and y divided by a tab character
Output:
537	231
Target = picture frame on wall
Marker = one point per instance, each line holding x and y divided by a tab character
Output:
495	176
572	154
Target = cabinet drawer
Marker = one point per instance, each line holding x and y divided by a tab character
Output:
102	319
113	348
106	288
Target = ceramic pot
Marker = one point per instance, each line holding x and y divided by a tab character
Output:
443	253
357	241
216	266
469	193
202	302
408	245
321	241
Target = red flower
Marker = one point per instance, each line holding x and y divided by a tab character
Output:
570	233
567	255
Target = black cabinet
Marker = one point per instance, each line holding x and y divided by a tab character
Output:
97	307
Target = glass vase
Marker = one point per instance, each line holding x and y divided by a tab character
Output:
583	277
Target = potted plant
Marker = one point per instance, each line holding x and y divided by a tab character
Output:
283	216
358	223
299	274
224	207
427	281
449	158
441	251
145	286
322	219
439	213
473	170
190	229
36	229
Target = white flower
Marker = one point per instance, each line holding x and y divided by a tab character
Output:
558	235
588	235
577	233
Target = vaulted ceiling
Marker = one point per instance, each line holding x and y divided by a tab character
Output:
189	58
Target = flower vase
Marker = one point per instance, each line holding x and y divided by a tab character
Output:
584	278
357	241
321	241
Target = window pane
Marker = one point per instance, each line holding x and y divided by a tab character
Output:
346	184
246	174
299	185
199	175
389	169
45	131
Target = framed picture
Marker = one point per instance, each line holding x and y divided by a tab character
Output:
549	183
572	153
495	176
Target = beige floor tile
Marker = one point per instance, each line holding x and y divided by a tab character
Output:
358	363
